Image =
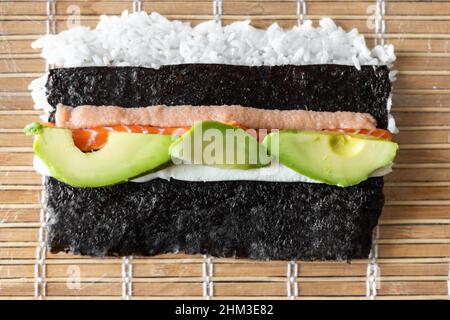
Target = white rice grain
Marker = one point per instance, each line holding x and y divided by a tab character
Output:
151	40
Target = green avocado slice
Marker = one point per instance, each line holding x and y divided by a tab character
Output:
125	155
221	145
330	157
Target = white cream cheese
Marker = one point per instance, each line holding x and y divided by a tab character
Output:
193	172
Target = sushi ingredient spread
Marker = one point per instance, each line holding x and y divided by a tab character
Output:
95	138
334	158
124	156
331	157
219	144
181	116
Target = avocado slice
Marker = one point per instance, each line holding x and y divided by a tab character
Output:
125	155
331	157
221	145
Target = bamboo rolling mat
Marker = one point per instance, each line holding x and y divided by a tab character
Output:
411	253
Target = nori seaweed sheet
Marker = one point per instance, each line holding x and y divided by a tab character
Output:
249	219
260	220
312	87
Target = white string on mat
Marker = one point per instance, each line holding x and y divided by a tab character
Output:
127	277
373	269
137	5
292	266
301	11
51	12
448	281
127	261
380	22
208	271
291	281
40	266
217	11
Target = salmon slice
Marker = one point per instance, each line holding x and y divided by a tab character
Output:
185	116
378	133
96	138
93	139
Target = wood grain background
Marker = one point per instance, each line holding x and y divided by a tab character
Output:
413	238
